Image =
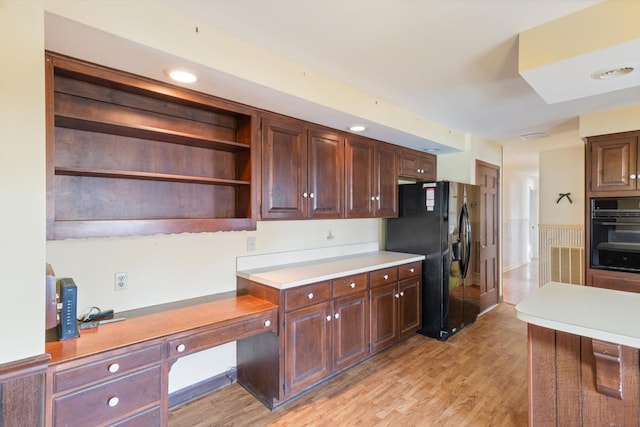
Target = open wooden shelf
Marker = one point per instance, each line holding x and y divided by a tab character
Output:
127	155
147	132
146	176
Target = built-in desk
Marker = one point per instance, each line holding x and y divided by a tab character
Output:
117	373
583	345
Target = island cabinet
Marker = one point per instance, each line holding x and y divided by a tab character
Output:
371	178
612	164
583	356
302	170
395	304
417	165
325	328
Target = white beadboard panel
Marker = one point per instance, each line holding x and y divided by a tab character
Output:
557	235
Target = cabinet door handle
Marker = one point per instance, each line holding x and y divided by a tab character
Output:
401	294
418	170
373	198
377	197
304	194
328	318
112	402
385	277
267	323
633	176
397	296
114	367
310	295
312	195
411	270
181	347
352	285
337	315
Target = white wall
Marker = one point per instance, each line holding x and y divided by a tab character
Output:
165	268
22	180
562	171
516	188
461	166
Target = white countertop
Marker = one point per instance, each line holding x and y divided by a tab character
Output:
286	276
599	313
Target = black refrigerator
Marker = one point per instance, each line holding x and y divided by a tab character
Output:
440	220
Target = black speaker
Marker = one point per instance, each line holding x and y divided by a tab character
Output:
68	327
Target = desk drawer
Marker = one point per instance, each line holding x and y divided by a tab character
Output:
351	284
209	337
105	369
110	401
305	296
412	269
384	276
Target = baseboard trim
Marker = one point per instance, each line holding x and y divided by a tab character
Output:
197	390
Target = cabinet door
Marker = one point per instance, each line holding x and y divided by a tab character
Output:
359	185
384	316
409	319
350	330
326	172
284	169
613	164
307	347
414	164
386	181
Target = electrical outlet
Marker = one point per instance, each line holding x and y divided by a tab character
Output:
330	235
120	281
251	244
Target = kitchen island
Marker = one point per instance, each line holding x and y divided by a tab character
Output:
583	365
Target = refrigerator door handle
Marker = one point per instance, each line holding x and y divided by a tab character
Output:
464	228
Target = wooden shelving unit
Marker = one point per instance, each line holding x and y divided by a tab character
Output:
128	156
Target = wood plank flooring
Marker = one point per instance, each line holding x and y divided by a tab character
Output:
476	378
518	283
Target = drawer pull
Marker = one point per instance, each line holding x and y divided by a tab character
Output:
113	402
310	295
181	347
385	277
352	285
267	323
114	367
411	270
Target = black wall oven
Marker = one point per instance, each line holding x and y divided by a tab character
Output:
615	234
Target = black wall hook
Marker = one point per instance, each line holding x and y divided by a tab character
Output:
562	196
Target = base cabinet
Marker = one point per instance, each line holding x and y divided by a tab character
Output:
395	304
326	328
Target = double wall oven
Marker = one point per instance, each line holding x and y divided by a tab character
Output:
615	234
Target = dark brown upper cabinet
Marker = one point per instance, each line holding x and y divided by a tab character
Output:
303	170
127	155
371	183
612	162
417	165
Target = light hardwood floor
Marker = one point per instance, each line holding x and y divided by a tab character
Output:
476	378
520	282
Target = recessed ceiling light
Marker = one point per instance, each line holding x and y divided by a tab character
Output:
611	73
431	150
181	76
535	135
357	128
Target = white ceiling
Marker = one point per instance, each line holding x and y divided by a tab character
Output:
454	62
